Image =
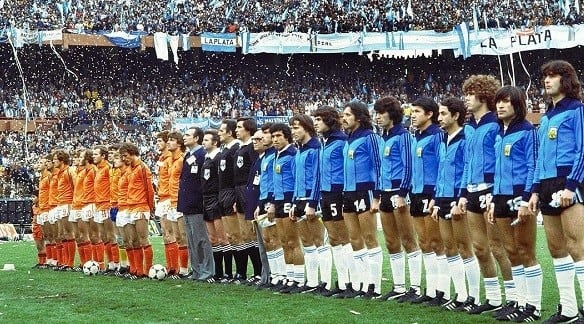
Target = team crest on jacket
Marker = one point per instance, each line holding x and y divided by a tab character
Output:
553	133
207	174
507	150
222	165
239	162
386	151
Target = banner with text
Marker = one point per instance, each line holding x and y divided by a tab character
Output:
218	42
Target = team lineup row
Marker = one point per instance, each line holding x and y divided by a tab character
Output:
458	197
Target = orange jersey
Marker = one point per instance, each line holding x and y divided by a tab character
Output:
140	190
101	186
174	171
123	188
44	194
64	186
78	190
114	185
53	188
88	185
163	175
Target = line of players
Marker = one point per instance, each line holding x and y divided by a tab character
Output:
458	198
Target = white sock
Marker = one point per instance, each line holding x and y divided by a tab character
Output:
443	274
274	266
290	273
533	282
280	263
341	266
415	269
325	264
565	272
579	269
299	274
311	262
520	286
360	277
431	273
375	265
493	291
398	271
350	260
473	277
456	267
510	290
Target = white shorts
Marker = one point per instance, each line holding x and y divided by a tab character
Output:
75	215
63	211
174	215
122	218
99	216
52	216
42	218
134	216
162	208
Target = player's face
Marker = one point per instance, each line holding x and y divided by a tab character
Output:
49	164
57	163
117	160
445	118
257	140
172	144
42	165
267	138
97	157
241	132
189	138
505	110
208	143
319	125
127	158
80	159
350	123
299	133
552	85
279	140
473	103
110	156
224	134
160	144
383	120
419	117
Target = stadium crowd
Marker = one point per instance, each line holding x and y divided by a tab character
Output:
318	16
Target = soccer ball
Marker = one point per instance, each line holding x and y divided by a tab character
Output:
91	268
157	272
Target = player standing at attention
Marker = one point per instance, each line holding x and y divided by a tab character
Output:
178	251
396	179
558	183
306	196
362	171
43	205
115	175
327	124
140	207
52	234
514	169
454	225
163	204
66	237
79	217
477	181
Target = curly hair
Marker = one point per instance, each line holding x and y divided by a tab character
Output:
483	87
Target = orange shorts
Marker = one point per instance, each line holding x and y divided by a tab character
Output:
37	232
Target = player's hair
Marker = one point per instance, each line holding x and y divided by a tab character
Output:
266	126
178	136
285	129
62	156
198	134
517	98
392	107
483	87
102	151
330	117
230	125
569	83
214	135
88	157
428	105
114	147
163	135
249	124
454	106
305	122
129	148
361	113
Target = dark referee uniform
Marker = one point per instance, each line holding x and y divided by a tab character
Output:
226	178
244	160
210	186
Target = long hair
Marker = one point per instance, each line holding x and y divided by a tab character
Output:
517	98
330	117
361	113
305	122
569	83
483	87
392	107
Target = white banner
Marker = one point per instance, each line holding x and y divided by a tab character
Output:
51	35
